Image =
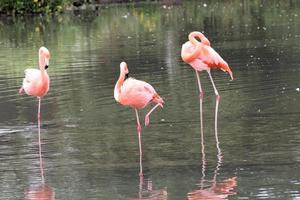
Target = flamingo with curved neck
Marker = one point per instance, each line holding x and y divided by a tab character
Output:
201	56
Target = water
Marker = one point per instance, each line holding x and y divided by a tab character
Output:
90	146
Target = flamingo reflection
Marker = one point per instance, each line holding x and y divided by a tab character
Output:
146	192
211	189
149	194
40	191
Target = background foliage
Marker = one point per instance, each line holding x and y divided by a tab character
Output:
31	6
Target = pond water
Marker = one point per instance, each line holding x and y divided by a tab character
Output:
90	144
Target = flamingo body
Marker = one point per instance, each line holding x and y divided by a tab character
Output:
203	57
35	83
137	94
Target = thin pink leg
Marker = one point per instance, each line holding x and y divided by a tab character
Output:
147	120
201	130
40	145
139	129
216	116
201	94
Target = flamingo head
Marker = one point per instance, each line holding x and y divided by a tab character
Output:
124	69
44	57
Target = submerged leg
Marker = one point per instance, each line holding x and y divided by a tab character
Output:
201	131
147	120
40	145
141	185
139	129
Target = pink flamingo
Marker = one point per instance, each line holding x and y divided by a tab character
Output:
201	56
136	94
36	83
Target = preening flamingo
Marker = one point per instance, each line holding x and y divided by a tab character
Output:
136	94
36	83
201	56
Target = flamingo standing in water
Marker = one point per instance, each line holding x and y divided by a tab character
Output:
201	56
36	83
136	94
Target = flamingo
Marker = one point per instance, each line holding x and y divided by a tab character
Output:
36	83
201	56
136	94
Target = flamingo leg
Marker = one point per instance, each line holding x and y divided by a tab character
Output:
147	119
201	94
216	115
40	145
201	130
139	129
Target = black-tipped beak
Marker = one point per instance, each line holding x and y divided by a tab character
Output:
126	76
46	67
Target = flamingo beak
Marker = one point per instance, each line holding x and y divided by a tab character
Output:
126	76
231	75
46	63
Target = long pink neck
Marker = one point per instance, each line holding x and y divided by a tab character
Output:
203	39
42	65
119	84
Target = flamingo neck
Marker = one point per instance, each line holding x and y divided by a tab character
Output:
42	65
118	85
194	41
187	56
42	62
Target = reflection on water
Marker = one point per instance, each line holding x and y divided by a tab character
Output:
211	189
40	192
146	187
215	191
147	193
90	143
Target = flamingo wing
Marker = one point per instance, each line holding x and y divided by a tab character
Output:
32	76
211	58
136	93
34	84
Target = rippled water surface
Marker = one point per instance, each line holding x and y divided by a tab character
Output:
90	145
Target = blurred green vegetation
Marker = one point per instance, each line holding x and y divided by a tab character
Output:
32	6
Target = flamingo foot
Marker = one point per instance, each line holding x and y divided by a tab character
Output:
21	91
147	120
